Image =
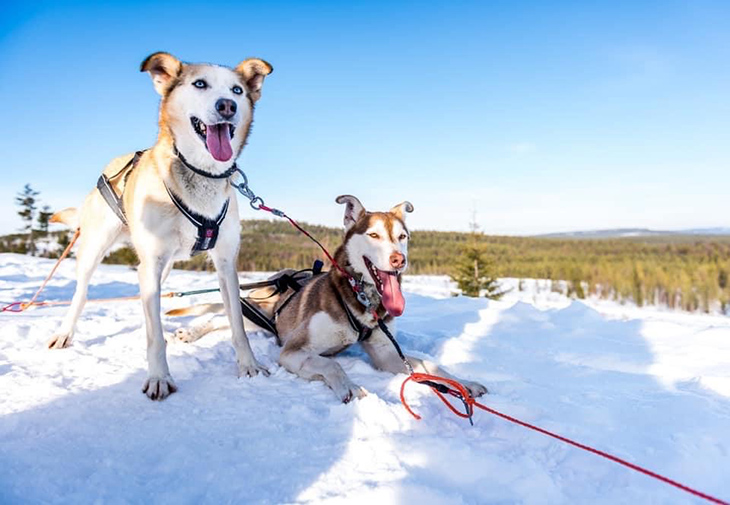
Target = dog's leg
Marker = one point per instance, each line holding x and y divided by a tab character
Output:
192	333
313	367
384	357
228	280
159	384
93	244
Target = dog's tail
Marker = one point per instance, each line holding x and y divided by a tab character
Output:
69	217
196	310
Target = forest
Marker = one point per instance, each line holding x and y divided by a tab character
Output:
677	271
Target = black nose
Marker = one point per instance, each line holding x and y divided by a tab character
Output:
225	107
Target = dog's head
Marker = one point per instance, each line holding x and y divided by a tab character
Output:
376	244
206	109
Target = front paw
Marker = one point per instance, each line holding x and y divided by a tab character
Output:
475	389
350	392
251	369
60	341
186	335
159	388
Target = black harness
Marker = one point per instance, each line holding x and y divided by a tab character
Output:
207	229
281	283
363	332
291	281
107	192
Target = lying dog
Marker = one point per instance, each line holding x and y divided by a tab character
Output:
174	199
316	323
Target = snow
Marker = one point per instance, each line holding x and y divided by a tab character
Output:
649	385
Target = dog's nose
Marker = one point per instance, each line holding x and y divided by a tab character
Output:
397	260
226	108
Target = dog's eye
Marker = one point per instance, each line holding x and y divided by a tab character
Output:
402	236
237	90
374	235
200	84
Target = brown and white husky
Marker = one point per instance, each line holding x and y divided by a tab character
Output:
313	324
175	199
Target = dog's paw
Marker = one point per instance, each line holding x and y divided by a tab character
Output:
251	369
475	389
186	335
159	388
351	392
60	341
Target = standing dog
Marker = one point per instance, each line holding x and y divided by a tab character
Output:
316	322
174	199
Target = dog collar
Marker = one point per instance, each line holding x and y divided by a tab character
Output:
204	173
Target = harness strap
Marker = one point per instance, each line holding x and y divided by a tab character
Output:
207	228
253	314
363	332
290	281
111	198
107	192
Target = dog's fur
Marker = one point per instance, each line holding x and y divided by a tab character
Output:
157	229
313	326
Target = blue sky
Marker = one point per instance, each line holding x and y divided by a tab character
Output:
539	116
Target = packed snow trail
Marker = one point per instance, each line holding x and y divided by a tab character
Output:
648	385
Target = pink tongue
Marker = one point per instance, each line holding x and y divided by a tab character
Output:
219	141
392	297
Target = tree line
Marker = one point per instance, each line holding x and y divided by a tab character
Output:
686	272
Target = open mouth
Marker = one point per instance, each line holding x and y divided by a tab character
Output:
216	137
386	282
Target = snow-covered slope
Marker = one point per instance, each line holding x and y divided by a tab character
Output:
649	386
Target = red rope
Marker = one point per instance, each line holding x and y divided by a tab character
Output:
461	392
279	213
21	306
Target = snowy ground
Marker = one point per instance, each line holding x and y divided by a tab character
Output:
648	385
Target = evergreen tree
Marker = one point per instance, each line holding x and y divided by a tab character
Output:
44	217
26	200
474	273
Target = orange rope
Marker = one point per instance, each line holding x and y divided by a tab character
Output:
24	305
459	391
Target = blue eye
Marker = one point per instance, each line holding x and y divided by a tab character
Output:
237	90
200	84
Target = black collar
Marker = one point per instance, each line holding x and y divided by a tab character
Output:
224	175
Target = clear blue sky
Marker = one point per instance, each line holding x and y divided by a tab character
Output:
541	116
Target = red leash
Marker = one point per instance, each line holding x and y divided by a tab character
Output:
442	386
459	391
21	306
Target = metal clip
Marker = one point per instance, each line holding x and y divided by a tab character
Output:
363	299
256	202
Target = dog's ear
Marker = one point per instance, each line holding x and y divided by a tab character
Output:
400	210
253	71
163	68
353	210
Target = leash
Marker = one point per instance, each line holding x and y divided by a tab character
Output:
442	386
21	306
458	390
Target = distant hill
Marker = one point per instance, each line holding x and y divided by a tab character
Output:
636	232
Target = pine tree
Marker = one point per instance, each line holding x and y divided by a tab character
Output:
44	217
474	273
26	200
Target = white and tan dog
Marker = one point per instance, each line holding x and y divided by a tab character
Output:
313	323
205	117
